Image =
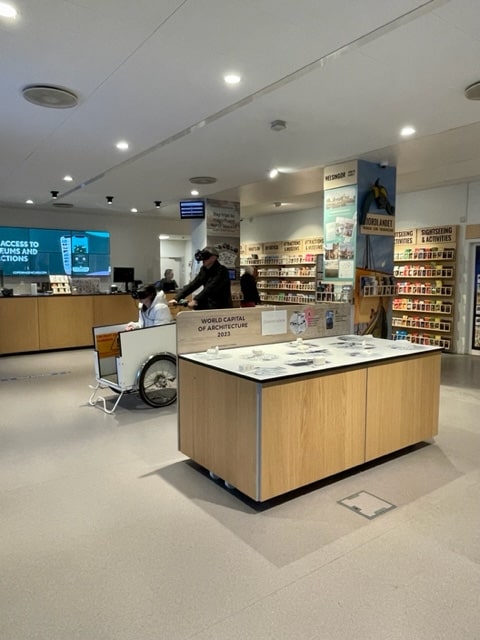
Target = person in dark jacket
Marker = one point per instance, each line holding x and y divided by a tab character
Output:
167	284
214	278
248	285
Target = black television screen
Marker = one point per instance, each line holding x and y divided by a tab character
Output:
28	251
123	274
192	209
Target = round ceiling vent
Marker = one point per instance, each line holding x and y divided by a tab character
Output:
63	205
472	92
46	95
203	180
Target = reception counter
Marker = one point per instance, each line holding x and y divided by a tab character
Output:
40	323
275	418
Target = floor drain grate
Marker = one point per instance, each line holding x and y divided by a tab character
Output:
366	504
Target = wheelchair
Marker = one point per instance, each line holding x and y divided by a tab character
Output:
141	361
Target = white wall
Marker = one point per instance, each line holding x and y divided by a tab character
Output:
284	226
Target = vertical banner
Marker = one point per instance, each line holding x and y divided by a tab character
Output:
374	254
339	222
223	232
476	306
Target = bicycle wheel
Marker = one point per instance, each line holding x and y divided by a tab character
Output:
157	381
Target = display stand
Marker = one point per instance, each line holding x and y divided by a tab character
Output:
286	270
267	430
423	308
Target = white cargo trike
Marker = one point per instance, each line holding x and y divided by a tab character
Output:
142	360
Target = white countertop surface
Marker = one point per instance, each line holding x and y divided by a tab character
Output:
284	359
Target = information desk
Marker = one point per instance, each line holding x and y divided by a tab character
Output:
272	419
38	323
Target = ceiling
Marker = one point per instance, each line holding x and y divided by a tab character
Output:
344	75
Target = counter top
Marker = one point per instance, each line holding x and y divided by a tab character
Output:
63	295
286	359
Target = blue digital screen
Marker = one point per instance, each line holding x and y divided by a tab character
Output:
192	209
40	252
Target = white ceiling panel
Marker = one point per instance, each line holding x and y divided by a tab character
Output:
344	75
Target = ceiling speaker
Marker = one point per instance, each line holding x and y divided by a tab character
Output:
473	91
50	96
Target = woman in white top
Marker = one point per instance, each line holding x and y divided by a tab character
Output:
152	309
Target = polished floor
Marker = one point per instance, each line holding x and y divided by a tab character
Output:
108	533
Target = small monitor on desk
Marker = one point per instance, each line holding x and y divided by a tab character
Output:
125	275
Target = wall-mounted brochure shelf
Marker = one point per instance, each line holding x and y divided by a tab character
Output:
426	285
435	306
428	340
288	298
295	274
383	290
326	296
431	324
280	260
427	289
418	272
424	253
284	285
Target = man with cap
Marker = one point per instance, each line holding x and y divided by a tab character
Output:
213	277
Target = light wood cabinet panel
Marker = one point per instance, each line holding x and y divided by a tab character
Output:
65	322
311	429
114	309
270	438
402	404
18	325
219	434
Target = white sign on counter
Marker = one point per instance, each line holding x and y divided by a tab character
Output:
274	322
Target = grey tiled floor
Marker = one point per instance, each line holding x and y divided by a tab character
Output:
108	533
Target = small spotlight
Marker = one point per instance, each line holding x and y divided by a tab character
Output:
54	194
273	173
109	199
158	203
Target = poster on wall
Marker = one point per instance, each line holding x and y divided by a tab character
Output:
476	306
374	248
223	232
339	222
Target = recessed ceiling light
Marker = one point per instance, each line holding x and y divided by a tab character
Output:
122	145
232	78
407	131
273	173
7	11
194	192
29	202
134	210
68	178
